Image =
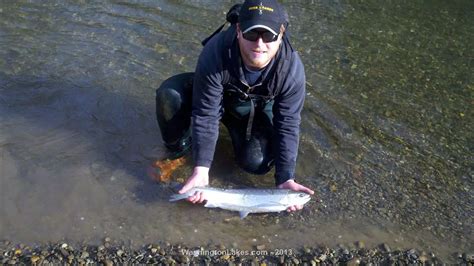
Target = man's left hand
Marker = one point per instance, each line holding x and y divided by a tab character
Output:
291	184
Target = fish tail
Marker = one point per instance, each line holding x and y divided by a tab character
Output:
176	197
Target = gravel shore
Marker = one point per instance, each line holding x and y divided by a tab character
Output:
166	253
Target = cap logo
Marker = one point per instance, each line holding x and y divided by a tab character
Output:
260	8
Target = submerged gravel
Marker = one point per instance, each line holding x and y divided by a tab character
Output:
109	253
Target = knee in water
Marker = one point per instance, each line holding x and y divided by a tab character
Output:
168	102
255	158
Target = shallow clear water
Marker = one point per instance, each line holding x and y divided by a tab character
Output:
386	137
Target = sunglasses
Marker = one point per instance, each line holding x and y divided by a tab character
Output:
254	35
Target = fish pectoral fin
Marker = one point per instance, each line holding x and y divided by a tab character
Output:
243	214
177	197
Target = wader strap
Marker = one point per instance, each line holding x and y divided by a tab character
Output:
212	35
251	98
250	122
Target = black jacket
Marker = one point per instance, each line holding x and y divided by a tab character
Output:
287	84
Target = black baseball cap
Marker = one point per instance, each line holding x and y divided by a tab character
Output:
266	14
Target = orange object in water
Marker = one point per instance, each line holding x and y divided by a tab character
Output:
162	170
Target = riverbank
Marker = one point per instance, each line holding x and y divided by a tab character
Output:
110	253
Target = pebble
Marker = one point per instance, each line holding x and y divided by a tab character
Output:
322	257
360	244
84	255
353	262
386	247
151	254
35	259
469	257
184	259
64	252
282	259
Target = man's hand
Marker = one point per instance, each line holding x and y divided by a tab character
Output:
291	184
199	178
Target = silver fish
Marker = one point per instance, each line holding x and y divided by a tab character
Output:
247	201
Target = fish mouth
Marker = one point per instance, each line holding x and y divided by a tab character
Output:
303	197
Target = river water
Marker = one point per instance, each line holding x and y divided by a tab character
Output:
386	138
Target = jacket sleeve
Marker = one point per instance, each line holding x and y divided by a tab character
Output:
286	120
207	104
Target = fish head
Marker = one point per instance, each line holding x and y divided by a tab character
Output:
298	198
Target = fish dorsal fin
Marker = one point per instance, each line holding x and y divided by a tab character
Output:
243	214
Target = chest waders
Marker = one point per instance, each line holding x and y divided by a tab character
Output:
247	117
173	113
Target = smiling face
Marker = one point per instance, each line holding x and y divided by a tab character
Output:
257	54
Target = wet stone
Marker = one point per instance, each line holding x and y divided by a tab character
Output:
360	244
120	252
423	258
322	257
84	255
183	259
468	257
295	261
35	259
64	252
385	247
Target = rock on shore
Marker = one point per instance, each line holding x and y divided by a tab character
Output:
166	253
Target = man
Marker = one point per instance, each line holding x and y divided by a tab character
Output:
250	78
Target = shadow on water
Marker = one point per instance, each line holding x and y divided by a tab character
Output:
117	127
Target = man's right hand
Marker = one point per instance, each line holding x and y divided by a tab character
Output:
199	178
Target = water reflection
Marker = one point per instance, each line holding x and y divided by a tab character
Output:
386	132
